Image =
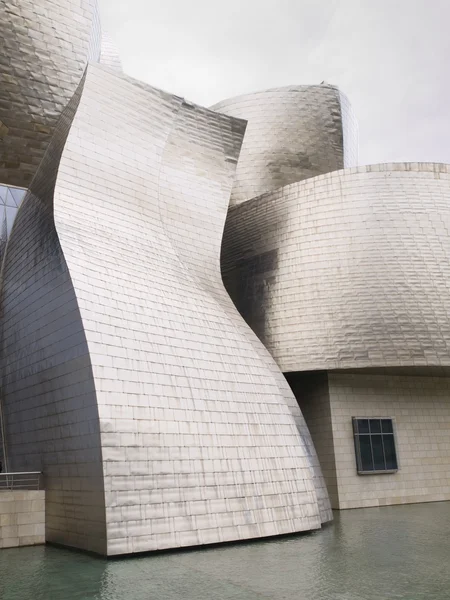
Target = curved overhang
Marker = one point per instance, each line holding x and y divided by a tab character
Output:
347	270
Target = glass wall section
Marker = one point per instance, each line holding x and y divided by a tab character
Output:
10	200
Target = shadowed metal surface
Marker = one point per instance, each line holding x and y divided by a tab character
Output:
348	269
146	394
293	133
45	48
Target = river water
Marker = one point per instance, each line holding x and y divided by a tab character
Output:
398	552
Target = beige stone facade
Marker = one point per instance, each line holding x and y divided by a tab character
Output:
22	518
420	408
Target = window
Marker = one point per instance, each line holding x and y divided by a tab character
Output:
374	446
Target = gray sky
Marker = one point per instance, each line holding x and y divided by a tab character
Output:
391	58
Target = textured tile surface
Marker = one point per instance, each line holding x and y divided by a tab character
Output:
48	393
420	408
45	47
109	55
348	269
130	378
313	395
22	518
293	133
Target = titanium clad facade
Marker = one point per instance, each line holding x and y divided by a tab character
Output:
48	392
347	270
293	133
129	376
108	54
45	48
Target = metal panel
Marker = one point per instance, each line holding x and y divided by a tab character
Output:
293	133
348	269
109	55
48	392
45	48
147	370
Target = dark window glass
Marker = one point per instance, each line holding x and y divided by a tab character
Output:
374	445
378	453
389	452
375	425
386	425
363	425
366	453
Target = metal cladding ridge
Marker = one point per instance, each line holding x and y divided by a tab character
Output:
128	375
293	133
109	55
347	270
46	45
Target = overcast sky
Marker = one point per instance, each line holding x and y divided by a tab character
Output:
391	58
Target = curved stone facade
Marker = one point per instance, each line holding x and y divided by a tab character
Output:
293	133
156	414
45	48
347	270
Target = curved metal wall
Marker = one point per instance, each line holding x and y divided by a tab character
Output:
45	48
109	55
293	133
48	392
201	439
347	270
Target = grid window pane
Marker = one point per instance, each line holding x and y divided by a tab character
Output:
18	194
389	452
375	425
386	425
10	200
374	445
366	453
363	425
10	216
378	453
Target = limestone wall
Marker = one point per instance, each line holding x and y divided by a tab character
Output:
420	409
22	518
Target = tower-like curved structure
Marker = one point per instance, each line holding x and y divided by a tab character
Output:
157	416
45	48
293	133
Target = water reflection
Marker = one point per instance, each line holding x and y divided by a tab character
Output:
371	554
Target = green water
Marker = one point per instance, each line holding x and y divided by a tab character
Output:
370	554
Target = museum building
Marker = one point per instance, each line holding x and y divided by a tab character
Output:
215	326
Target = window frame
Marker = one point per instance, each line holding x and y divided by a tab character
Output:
356	436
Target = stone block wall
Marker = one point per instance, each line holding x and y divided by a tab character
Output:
22	518
311	390
420	408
